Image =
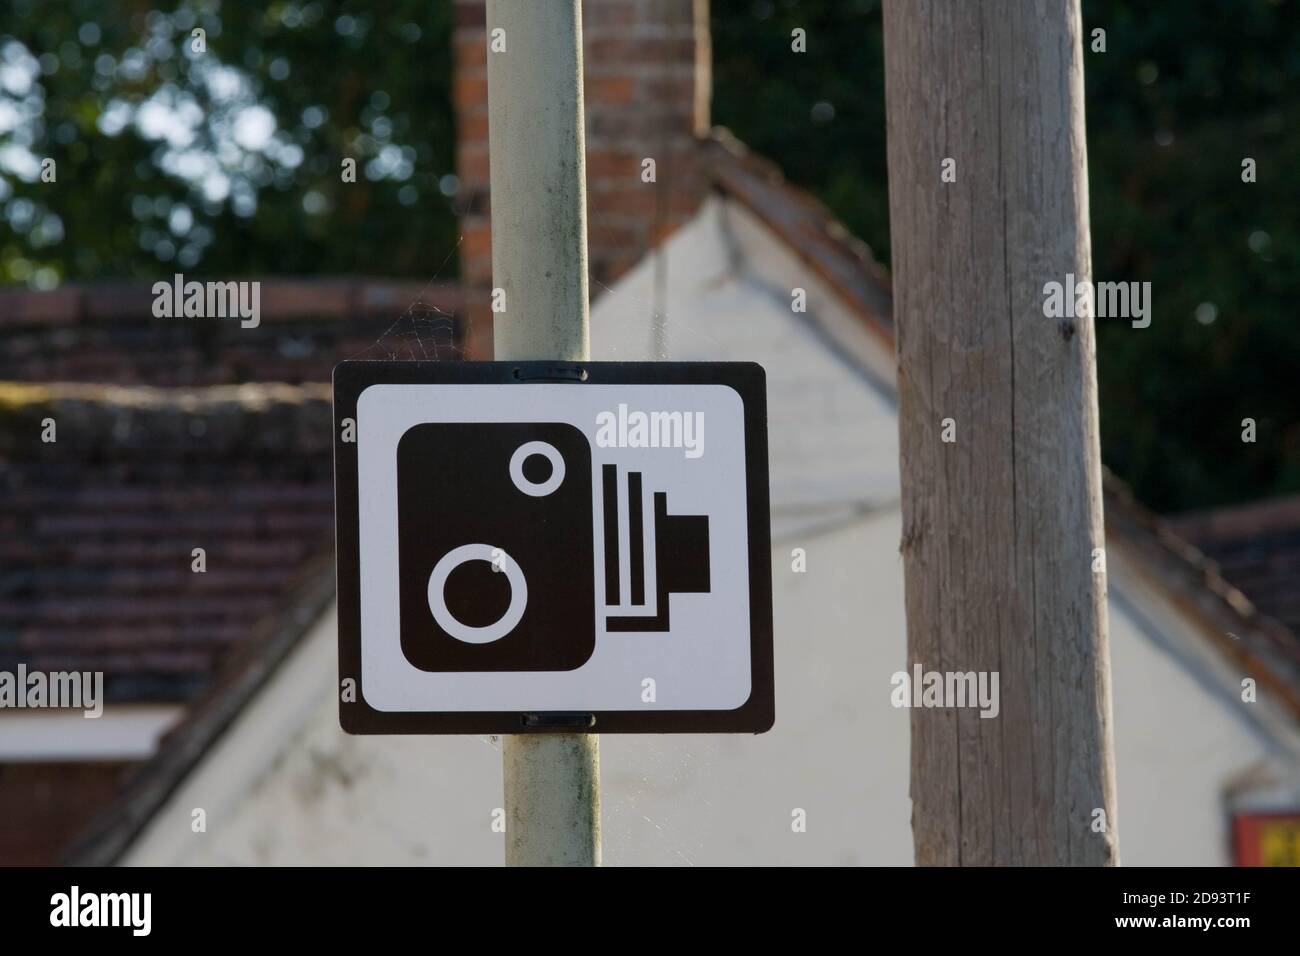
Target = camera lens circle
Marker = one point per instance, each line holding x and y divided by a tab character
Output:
537	489
453	559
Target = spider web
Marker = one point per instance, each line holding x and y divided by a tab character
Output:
424	332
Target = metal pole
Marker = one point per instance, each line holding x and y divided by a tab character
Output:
539	271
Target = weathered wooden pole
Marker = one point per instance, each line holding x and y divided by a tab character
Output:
1001	469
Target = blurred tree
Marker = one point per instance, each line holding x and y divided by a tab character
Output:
1182	94
226	161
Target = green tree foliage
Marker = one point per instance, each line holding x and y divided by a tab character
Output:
228	161
1183	93
819	114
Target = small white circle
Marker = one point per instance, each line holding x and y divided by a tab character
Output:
453	559
538	489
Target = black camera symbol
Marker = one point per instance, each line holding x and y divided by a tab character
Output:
681	554
496	542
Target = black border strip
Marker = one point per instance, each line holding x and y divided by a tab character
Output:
609	475
329	904
636	538
748	379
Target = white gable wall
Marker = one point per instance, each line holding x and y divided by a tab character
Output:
287	786
833	437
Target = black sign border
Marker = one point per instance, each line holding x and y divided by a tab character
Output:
748	379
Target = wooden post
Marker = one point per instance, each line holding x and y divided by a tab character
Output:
1000	522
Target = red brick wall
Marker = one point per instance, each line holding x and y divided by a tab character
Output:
646	66
43	806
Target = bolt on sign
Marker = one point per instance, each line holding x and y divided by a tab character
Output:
548	546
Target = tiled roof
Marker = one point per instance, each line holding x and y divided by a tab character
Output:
1241	632
1257	548
108	333
100	526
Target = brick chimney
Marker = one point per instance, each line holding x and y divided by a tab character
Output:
647	86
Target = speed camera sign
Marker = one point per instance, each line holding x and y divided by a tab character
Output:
548	546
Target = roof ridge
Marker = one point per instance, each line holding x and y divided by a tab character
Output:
1229	619
820	240
1222	523
140	423
282	298
15	395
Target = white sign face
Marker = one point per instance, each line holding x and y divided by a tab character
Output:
554	554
